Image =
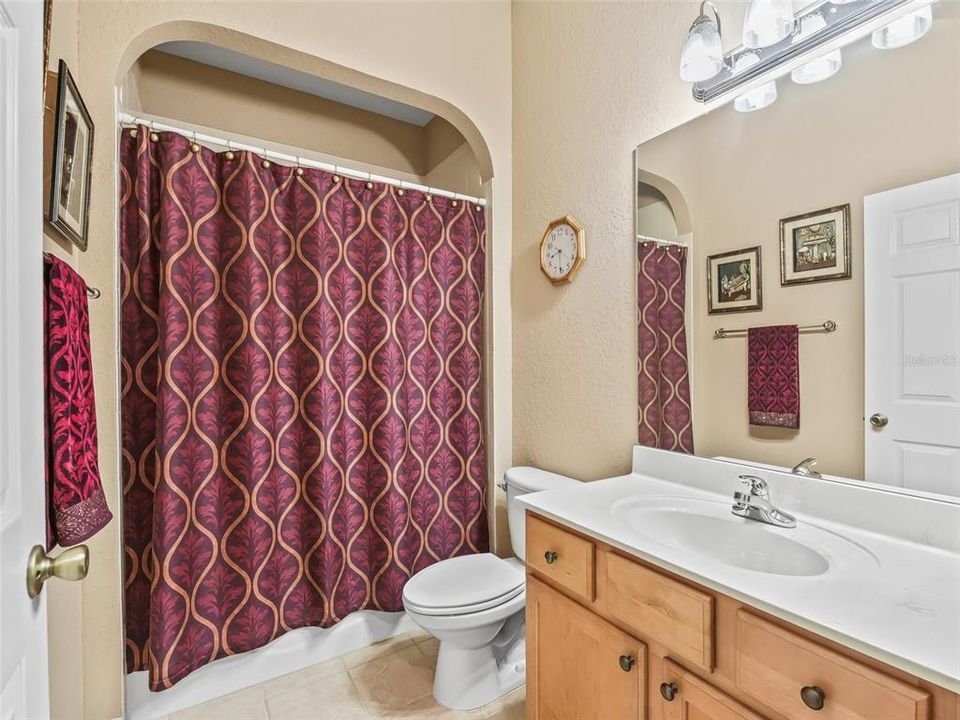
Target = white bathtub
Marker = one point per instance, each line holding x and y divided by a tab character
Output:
292	651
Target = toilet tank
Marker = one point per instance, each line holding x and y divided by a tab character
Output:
520	481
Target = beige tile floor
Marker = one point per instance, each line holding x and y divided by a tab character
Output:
392	680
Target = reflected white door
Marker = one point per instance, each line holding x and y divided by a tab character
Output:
23	622
912	336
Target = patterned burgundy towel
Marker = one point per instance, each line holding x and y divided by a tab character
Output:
76	505
773	373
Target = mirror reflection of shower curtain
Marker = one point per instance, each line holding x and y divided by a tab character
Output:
301	401
664	413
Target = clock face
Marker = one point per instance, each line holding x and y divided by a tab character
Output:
559	252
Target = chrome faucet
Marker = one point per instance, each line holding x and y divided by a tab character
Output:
754	504
805	467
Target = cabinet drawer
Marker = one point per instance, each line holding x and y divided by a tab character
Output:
657	607
774	665
561	556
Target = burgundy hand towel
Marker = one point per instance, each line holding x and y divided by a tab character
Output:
773	373
76	505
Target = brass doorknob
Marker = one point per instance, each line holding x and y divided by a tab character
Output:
813	697
627	662
550	556
879	420
72	564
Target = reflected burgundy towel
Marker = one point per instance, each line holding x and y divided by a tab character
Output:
773	372
75	502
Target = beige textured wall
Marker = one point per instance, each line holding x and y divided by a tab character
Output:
740	173
590	82
449	56
65	608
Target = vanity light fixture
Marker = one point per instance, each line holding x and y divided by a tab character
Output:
759	97
903	31
767	22
702	55
810	50
822	67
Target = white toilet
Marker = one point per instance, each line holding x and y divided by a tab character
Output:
473	604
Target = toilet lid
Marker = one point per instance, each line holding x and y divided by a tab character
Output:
468	583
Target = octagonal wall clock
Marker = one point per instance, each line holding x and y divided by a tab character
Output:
562	250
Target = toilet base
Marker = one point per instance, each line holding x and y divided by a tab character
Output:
468	678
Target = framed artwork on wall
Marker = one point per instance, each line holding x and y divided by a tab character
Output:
69	210
734	282
815	246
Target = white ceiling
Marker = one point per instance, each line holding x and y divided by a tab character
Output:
295	80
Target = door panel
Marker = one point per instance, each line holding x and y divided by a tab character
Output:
574	662
694	699
23	623
912	335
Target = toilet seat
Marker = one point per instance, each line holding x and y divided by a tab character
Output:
463	585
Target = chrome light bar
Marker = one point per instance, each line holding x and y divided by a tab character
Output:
846	22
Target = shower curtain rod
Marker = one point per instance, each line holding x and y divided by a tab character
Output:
647	238
198	137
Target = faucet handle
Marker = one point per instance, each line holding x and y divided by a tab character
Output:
758	486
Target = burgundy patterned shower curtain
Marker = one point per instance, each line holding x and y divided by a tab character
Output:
665	418
302	398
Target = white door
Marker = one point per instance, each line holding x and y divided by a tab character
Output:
23	622
912	336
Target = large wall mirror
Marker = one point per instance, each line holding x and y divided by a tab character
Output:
834	210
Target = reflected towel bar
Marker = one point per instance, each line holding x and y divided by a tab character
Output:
827	326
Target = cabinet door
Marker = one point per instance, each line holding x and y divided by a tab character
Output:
684	696
578	665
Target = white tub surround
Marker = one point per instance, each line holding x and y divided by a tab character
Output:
892	588
290	652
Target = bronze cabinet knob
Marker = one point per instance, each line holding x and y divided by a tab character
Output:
627	662
813	697
550	556
668	691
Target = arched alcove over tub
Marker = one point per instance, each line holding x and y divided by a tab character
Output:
417	59
405	149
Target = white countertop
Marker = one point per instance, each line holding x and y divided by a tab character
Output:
901	606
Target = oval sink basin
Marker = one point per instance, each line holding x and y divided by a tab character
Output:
709	530
741	543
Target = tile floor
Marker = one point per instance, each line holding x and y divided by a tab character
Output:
390	680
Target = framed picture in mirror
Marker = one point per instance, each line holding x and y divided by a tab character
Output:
69	209
734	282
815	246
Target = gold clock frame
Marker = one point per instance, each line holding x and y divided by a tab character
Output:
581	249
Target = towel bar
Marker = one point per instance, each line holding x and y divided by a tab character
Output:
826	326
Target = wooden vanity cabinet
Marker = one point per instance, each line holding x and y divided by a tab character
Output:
583	666
696	654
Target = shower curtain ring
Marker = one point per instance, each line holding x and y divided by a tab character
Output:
266	162
194	147
299	171
229	154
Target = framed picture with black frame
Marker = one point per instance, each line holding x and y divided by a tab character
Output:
69	209
734	281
